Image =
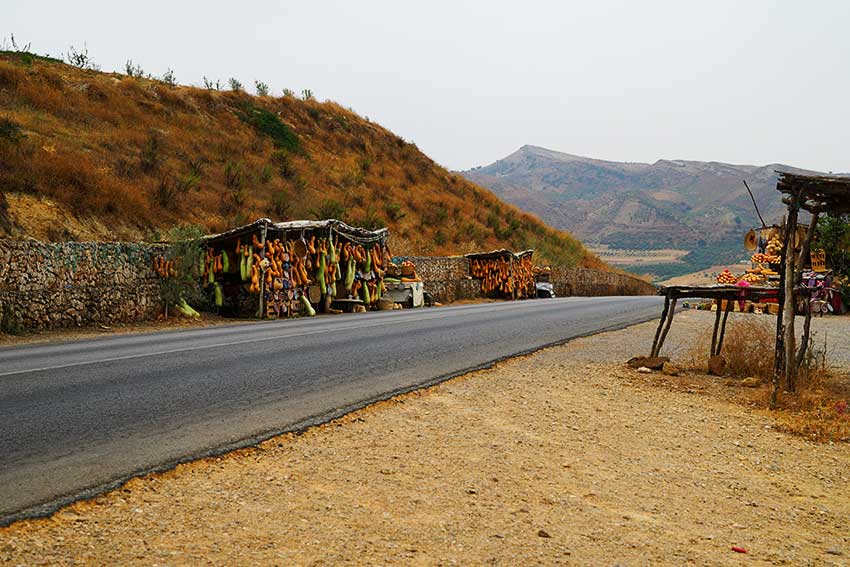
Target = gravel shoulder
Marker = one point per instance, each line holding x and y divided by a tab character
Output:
562	457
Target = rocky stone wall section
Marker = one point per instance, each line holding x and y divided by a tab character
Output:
54	285
447	278
588	283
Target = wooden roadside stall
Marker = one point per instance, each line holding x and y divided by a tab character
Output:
503	273
280	269
816	195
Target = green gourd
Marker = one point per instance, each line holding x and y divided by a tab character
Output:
308	308
349	274
225	262
320	273
366	298
219	296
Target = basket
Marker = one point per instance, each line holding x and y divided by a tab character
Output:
299	248
408	271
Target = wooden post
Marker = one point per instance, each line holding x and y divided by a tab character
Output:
260	314
804	249
663	337
789	308
779	349
660	324
798	280
804	340
729	306
717	315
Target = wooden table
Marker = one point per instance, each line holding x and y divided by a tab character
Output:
718	293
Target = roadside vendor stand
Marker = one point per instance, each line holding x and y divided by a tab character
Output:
279	269
786	270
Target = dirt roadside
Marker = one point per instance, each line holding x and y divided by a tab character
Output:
563	457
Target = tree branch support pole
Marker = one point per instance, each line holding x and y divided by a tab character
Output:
669	322
798	280
729	306
789	309
778	356
717	313
652	352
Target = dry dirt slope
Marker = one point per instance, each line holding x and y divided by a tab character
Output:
85	154
559	458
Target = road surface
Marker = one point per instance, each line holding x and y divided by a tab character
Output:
82	417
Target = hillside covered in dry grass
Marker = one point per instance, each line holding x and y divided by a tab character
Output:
92	155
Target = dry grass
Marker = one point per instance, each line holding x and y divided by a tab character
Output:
101	144
747	348
817	410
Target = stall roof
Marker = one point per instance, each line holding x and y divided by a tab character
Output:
353	233
817	193
501	253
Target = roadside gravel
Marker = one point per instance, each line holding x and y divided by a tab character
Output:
562	457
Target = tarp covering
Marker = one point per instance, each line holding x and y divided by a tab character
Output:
495	254
293	228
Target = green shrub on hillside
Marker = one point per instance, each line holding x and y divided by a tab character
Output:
269	124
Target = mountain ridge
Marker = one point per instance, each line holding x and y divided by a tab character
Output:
599	199
701	207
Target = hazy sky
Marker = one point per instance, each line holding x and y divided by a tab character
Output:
471	81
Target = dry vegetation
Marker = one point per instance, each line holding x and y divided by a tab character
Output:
817	410
141	155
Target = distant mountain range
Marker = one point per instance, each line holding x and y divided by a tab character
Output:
690	205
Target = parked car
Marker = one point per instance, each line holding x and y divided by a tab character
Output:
545	289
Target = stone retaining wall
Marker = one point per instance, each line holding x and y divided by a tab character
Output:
447	278
52	285
587	283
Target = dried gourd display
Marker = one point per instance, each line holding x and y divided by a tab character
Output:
285	265
504	273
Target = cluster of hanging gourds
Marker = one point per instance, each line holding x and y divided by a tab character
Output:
371	264
524	277
210	265
497	275
314	261
165	268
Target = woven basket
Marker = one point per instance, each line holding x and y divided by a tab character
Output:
408	271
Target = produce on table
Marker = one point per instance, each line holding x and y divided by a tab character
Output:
760	258
726	277
774	246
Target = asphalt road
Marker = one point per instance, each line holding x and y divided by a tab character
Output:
78	418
